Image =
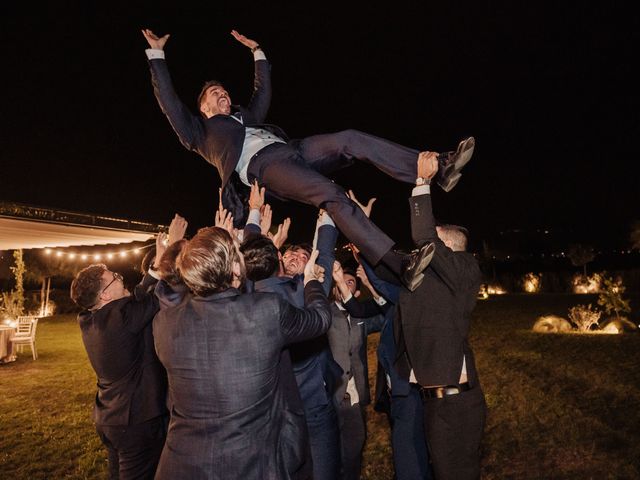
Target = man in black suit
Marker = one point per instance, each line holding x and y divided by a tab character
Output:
129	412
432	339
243	148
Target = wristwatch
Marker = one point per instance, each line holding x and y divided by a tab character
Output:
422	181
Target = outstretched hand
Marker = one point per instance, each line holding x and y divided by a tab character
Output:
177	228
313	271
365	208
155	41
281	235
256	196
247	42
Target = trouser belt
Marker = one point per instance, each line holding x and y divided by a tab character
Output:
443	391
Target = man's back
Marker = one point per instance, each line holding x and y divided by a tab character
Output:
119	344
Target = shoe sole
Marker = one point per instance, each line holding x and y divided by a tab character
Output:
464	154
424	263
451	182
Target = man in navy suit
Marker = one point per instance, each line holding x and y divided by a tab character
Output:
243	148
313	365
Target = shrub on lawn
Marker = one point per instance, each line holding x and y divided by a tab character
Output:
584	317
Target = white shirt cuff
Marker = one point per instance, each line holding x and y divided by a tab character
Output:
421	190
380	301
345	300
254	217
155	274
326	220
154	53
259	55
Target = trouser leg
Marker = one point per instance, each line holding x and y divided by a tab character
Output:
322	424
138	447
410	456
454	425
330	152
283	172
112	455
353	435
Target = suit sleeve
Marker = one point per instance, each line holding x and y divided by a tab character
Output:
313	320
327	237
187	126
146	284
387	290
169	296
140	312
448	266
261	98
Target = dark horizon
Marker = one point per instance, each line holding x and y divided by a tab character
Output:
548	92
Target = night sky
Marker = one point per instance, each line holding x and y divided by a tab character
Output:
549	91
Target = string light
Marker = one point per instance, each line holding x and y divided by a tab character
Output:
123	254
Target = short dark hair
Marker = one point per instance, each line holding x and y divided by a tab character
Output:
86	287
260	257
206	261
208	84
300	246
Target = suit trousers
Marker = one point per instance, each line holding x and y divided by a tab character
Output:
454	426
134	450
353	435
322	424
410	456
297	170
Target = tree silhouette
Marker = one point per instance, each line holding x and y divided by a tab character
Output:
580	255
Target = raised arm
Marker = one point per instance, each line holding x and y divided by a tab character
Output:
315	319
187	126
325	241
261	98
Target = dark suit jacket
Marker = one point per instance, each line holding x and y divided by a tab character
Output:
220	138
434	319
315	370
132	384
230	416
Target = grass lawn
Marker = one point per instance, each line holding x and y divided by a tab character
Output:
560	406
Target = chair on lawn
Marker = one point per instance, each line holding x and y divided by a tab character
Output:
26	334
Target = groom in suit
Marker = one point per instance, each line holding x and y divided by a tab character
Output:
243	148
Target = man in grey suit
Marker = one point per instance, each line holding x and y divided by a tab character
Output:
243	148
230	414
348	341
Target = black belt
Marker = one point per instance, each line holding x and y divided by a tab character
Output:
439	392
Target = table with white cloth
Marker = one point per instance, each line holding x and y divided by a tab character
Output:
7	349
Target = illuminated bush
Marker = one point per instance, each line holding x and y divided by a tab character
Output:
588	284
531	283
584	317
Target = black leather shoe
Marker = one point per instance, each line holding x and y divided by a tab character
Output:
450	164
412	275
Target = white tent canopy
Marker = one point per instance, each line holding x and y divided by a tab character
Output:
34	227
